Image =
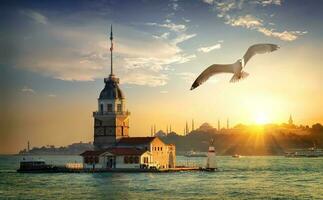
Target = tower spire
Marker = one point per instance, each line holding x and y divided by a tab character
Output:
111	50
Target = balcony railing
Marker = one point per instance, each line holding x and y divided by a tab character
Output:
97	113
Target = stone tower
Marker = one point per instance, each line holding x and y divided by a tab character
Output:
111	120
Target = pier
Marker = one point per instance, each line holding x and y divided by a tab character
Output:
62	169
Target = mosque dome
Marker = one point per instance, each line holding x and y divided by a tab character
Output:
111	89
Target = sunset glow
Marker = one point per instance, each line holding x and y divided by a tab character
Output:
261	118
57	62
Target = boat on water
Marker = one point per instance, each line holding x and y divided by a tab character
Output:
34	166
310	153
236	156
195	154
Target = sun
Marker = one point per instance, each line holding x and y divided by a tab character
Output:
261	118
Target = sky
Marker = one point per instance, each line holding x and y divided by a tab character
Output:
55	54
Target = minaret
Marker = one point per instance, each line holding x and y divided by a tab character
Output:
170	128
192	124
166	129
228	123
219	125
151	130
28	146
111	120
187	130
154	130
290	121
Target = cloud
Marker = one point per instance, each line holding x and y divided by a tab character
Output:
163	54
285	35
183	37
52	95
251	22
27	89
162	36
178	29
247	21
174	5
224	7
35	16
151	80
208	1
170	25
163	92
186	20
156	64
80	52
187	76
268	2
231	11
209	48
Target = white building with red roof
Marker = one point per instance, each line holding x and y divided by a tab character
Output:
132	153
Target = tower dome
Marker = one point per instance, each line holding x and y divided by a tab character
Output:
111	89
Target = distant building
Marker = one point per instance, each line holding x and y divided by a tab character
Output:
206	127
113	146
160	133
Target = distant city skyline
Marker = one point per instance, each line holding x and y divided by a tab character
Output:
56	54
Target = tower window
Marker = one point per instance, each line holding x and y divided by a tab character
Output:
109	107
101	107
119	107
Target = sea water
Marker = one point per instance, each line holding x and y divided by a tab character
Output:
255	177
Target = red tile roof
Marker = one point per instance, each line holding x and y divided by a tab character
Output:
126	151
135	141
92	153
115	151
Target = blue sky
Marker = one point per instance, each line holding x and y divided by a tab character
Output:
55	55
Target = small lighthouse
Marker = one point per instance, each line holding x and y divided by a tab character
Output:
210	162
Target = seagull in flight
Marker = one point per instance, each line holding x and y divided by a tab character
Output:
235	68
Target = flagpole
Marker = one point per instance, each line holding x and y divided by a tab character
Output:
111	49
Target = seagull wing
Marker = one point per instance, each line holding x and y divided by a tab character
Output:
210	71
258	49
